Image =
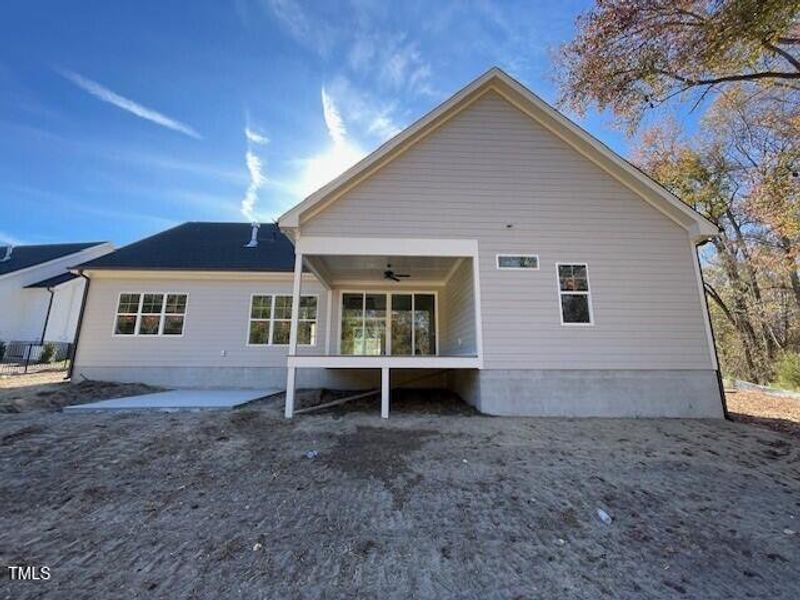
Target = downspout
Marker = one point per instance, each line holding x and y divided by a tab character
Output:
720	383
79	326
47	316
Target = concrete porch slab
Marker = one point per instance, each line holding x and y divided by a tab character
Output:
175	400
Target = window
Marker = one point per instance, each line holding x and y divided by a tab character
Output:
150	314
573	291
271	320
518	262
388	323
364	324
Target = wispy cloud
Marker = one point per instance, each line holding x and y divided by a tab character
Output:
255	137
404	66
255	168
368	112
9	240
106	95
312	33
383	127
333	119
319	169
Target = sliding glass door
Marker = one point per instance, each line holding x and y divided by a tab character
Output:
364	324
413	321
381	323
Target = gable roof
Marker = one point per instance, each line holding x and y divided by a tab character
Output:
529	103
198	246
25	257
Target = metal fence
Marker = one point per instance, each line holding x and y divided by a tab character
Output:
18	358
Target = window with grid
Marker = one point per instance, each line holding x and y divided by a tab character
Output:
271	320
574	296
150	314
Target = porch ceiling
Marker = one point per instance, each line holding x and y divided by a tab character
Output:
422	269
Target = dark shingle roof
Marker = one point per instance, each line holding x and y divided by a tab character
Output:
52	282
23	257
199	246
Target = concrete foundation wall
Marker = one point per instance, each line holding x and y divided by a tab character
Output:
259	377
591	393
538	393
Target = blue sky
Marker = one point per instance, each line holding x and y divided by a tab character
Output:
120	119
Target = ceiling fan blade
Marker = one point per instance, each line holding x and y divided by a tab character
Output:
393	277
401	275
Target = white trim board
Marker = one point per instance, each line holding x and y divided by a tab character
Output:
367	246
265	276
377	362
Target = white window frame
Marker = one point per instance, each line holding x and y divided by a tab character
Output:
513	255
389	293
139	315
272	320
587	293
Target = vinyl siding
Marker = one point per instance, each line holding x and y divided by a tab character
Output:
492	166
217	319
459	300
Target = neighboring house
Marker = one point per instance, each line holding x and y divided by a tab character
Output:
40	298
493	247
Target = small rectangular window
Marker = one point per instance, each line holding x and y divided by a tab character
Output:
518	261
150	314
271	320
573	292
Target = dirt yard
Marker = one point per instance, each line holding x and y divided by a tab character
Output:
50	391
445	505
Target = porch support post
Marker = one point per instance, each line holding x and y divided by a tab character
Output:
290	374
385	392
289	409
476	290
298	280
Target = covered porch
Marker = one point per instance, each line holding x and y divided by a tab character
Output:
392	305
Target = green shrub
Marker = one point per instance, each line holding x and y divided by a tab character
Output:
787	371
48	353
2	350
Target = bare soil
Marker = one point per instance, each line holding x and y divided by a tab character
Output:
442	505
776	412
50	392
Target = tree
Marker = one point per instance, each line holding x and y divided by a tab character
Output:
728	173
633	55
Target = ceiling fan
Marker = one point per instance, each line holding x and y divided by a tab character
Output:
390	274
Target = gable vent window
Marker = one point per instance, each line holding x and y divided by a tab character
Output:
517	262
150	314
574	296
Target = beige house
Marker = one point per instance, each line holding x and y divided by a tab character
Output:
493	247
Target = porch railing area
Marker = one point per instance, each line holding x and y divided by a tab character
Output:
384	301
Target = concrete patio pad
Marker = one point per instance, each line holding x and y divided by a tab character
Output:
177	400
